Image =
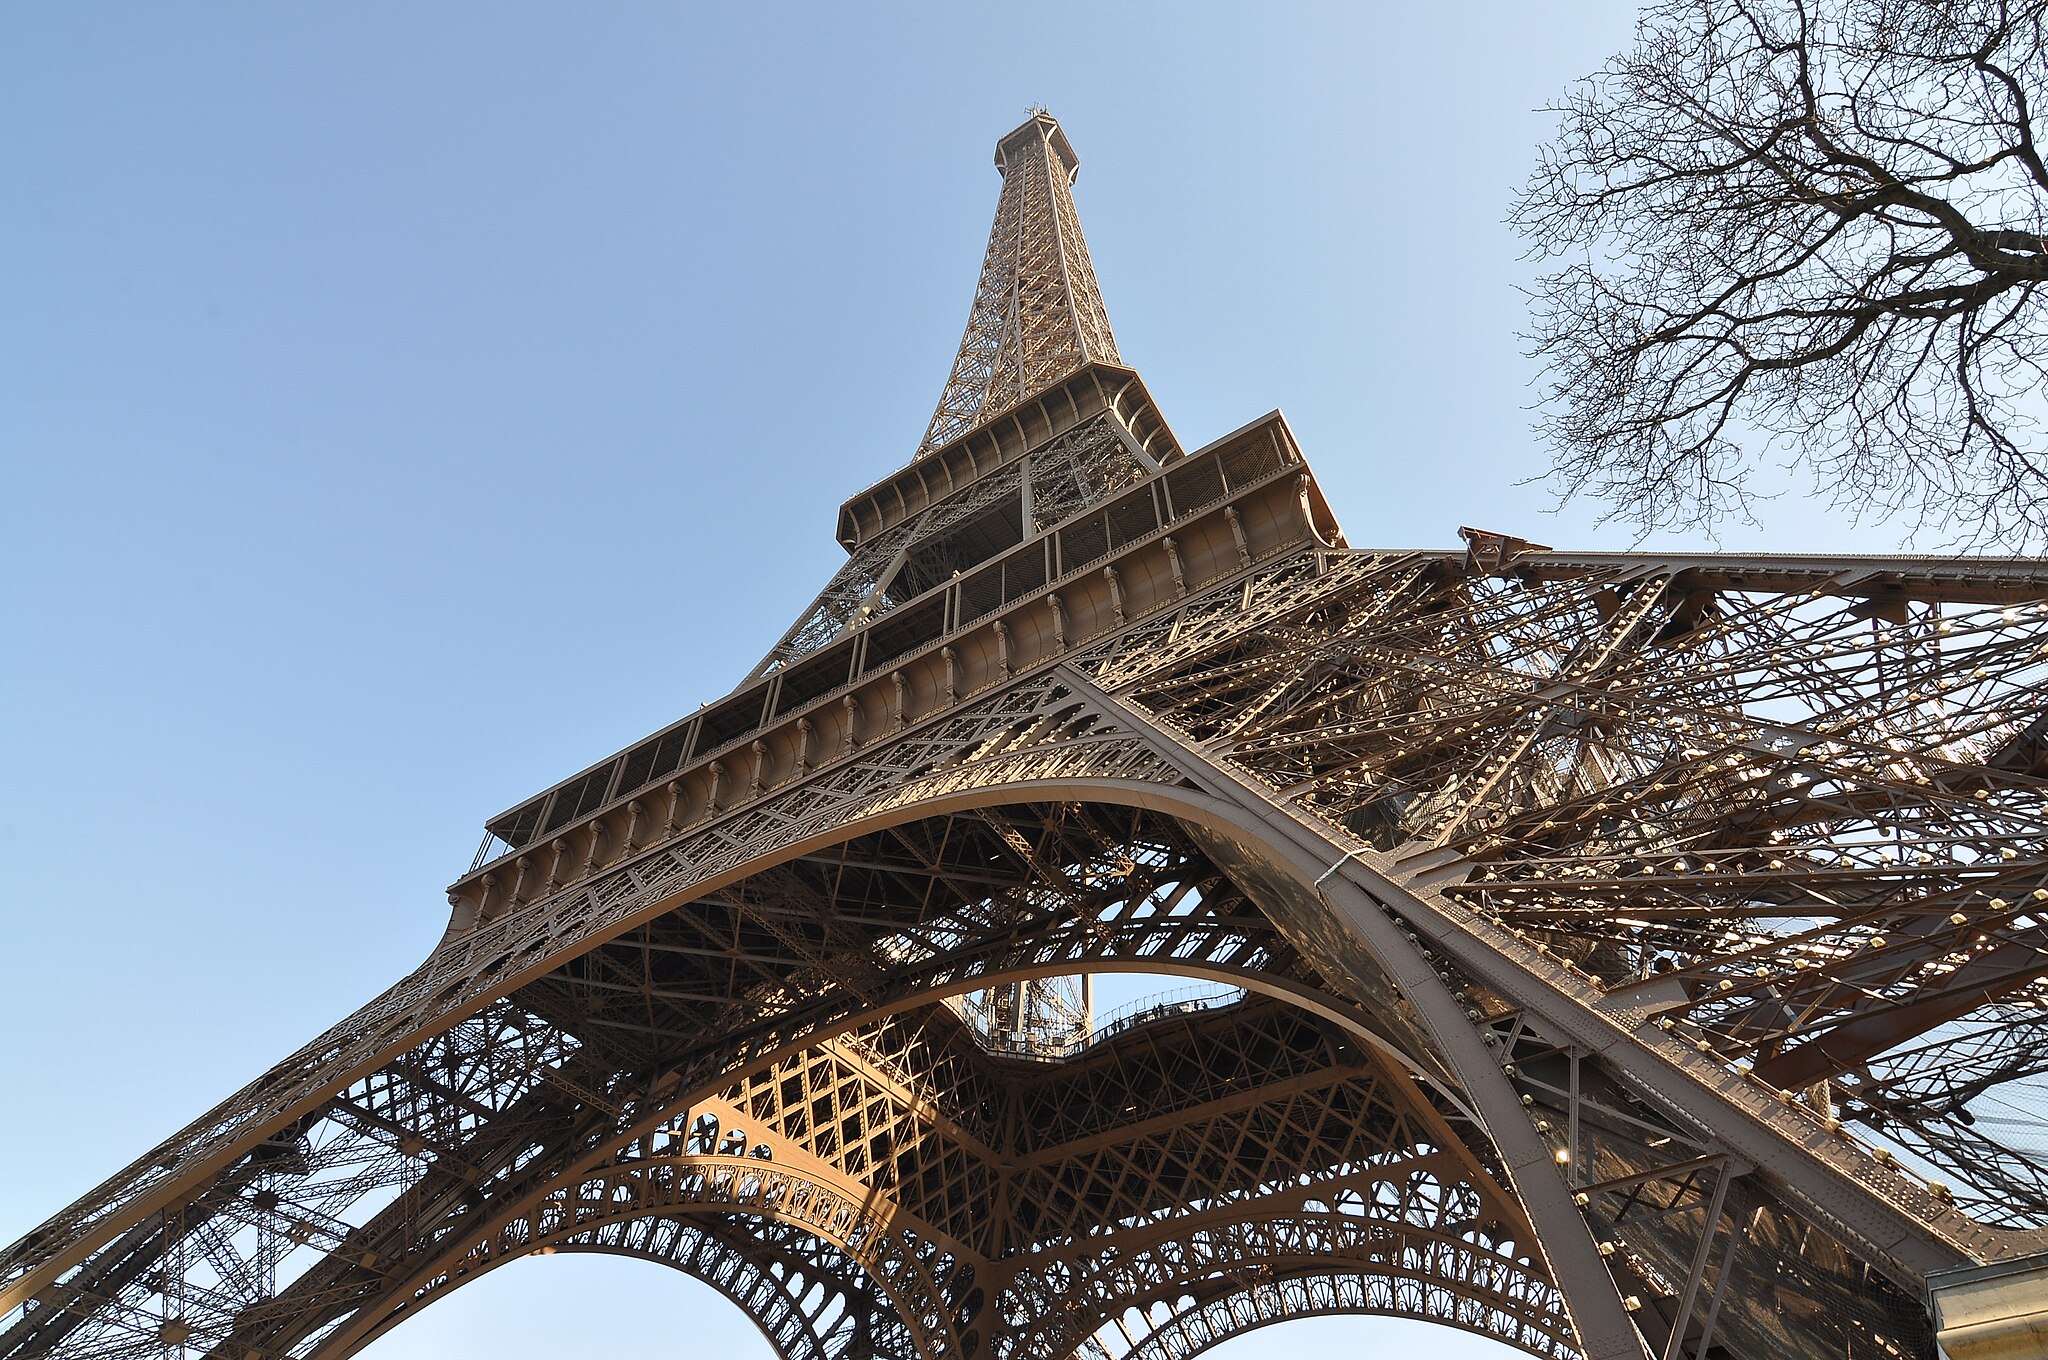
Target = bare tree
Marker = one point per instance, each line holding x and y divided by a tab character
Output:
1818	227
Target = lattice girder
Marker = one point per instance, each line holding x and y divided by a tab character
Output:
1167	1332
1347	1217
1914	870
1038	312
1105	944
809	1301
1464	1280
879	1254
547	1111
1400	1159
801	953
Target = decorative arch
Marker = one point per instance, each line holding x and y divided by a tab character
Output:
1231	937
1379	954
804	1300
690	1210
1409	1217
1397	1001
1170	1333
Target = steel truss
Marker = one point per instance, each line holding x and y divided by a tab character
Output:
1640	955
1038	313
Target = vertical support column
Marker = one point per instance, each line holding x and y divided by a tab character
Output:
1574	1169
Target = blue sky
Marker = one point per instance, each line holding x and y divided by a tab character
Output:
403	406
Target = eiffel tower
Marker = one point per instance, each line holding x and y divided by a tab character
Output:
1616	955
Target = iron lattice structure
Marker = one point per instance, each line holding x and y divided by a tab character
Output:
1635	954
1038	312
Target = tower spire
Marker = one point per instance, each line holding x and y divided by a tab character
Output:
1038	313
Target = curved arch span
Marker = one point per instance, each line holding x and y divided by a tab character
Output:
620	1210
1192	1330
1267	867
775	1289
1378	1266
1278	872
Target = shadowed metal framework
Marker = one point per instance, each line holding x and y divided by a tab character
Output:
1631	954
